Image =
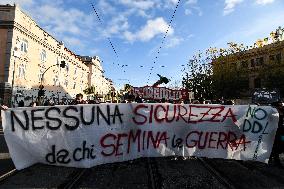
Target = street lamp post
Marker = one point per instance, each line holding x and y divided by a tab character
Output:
41	91
16	54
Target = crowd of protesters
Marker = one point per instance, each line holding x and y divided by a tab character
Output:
128	98
278	146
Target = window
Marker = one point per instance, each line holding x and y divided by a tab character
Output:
58	63
74	86
244	64
278	58
56	81
22	71
43	55
75	71
271	57
234	64
252	63
24	45
45	35
259	61
67	67
40	75
66	83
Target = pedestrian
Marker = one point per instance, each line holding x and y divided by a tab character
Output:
91	102
138	99
33	104
201	100
51	103
229	102
4	107
131	98
196	102
171	101
78	99
186	101
21	103
278	145
46	103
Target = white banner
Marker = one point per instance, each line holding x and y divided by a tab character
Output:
89	135
158	93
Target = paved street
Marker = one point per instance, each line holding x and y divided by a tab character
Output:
153	173
5	160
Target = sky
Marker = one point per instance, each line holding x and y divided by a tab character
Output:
138	39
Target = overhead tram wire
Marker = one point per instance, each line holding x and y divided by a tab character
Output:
163	41
108	38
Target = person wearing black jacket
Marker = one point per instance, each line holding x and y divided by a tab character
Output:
78	100
278	146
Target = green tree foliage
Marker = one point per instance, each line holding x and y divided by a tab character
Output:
127	87
199	77
217	74
90	90
225	72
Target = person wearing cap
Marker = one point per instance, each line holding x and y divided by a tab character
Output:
278	145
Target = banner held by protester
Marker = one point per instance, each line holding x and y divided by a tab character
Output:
89	135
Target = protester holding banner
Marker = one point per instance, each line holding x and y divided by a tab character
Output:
229	102
21	103
138	99
278	146
33	104
78	99
3	107
96	134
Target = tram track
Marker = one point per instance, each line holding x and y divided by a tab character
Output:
8	174
73	179
264	171
166	173
217	174
7	168
153	174
240	174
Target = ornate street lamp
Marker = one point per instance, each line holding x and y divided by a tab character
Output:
16	54
41	92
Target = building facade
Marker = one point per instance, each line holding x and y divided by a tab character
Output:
96	78
29	57
247	70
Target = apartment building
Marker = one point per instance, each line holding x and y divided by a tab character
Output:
30	56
